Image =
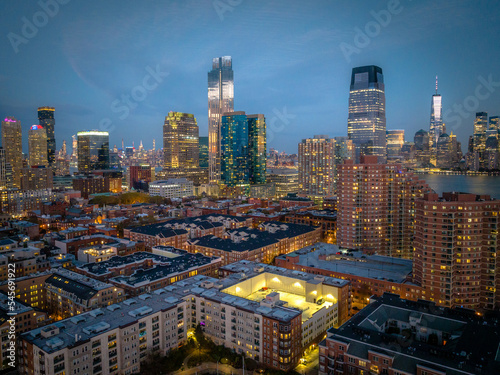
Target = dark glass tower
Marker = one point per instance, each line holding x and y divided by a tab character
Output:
257	148
234	149
220	101
93	151
203	152
366	125
46	119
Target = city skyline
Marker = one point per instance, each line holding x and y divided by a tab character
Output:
89	67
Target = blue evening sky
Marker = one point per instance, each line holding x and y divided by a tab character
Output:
292	61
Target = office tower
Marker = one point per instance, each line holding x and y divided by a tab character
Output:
494	123
317	166
479	140
203	152
395	140
436	124
220	101
93	150
37	142
46	119
285	181
5	171
491	155
376	207
344	149
456	250
443	152
234	149
180	141
422	150
12	144
257	148
366	125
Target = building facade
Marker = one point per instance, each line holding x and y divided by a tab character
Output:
37	143
317	166
93	151
366	125
220	101
47	121
12	144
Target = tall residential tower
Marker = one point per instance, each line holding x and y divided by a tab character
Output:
37	143
12	144
366	125
220	101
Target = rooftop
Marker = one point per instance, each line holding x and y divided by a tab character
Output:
353	262
465	343
74	283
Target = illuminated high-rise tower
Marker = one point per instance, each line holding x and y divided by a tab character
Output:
93	150
220	100
46	119
366	125
180	141
12	144
37	143
436	125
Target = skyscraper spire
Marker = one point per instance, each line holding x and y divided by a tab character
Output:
436	85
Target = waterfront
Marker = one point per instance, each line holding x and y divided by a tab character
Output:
464	183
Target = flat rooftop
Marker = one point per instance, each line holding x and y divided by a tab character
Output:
163	265
353	263
293	300
88	325
472	343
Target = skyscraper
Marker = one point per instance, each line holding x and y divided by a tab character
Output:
422	143
37	143
180	141
395	141
495	122
366	125
203	152
93	150
479	137
317	166
257	148
5	171
436	123
220	101
12	144
46	119
234	149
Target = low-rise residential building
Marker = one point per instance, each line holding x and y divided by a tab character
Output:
146	272
70	293
326	219
397	336
172	188
240	312
123	245
261	245
369	274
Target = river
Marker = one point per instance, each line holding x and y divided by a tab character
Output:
464	183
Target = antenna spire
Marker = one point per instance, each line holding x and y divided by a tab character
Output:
436	85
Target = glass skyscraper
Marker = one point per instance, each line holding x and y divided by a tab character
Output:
93	150
203	152
436	128
46	119
257	148
366	125
180	141
234	149
220	101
